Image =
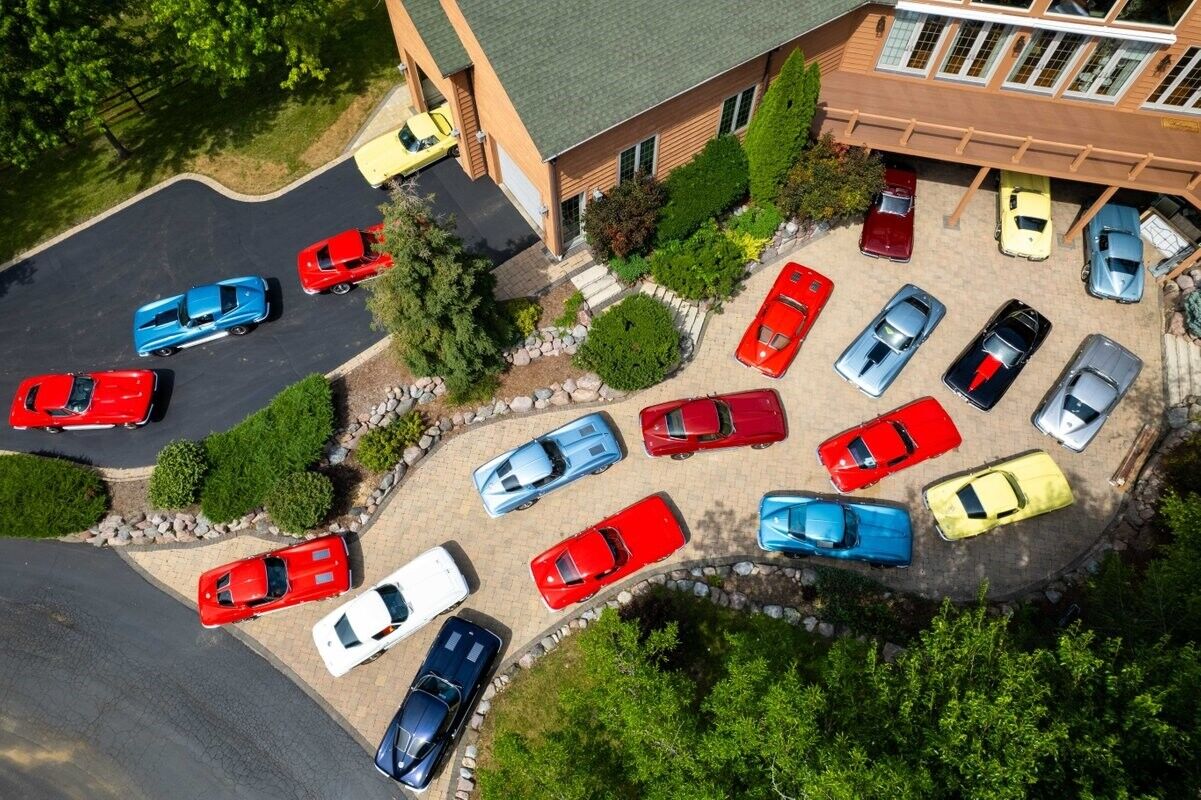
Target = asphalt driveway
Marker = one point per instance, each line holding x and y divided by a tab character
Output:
70	307
111	689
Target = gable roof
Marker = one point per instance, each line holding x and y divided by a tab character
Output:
576	68
439	35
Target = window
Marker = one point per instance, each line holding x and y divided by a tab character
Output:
568	571
398	610
1020	4
80	397
639	158
736	112
571	218
31	399
912	42
345	632
896	339
1181	89
1109	69
229	299
1045	60
1098	9
277	577
675	424
971	503
725	423
1153	12
860	452
974	51
324	262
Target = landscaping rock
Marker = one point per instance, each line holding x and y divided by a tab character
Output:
338	455
520	357
583	396
792	616
541	404
700	589
1177	417
808	577
412	455
589	381
425	442
1185	282
543	394
743	568
891	651
1053	596
569	385
560	398
522	404
624	597
825	629
737	600
773	611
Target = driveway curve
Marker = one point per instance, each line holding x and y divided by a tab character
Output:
70	307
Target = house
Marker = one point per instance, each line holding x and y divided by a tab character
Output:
557	102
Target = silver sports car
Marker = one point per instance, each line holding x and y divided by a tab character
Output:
1087	392
873	361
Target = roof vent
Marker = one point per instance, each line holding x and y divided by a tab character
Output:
321	555
324	578
596	449
474	655
453	641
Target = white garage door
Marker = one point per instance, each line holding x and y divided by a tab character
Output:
526	194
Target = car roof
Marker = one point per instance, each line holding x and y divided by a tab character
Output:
529	463
248	580
53	392
900	178
591	552
204	300
905	317
1093	390
884	442
347	246
460	652
700	417
825	521
367	615
995	491
422	126
782	316
1123	245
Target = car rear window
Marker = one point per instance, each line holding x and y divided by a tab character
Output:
971	503
31	399
229	299
398	610
675	424
324	262
1031	224
345	632
863	456
277	576
225	598
568	571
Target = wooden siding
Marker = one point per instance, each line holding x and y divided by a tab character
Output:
470	147
861	50
409	42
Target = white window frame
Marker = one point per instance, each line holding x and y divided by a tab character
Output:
1007	32
1069	67
637	148
1195	107
907	49
583	195
737	98
1125	50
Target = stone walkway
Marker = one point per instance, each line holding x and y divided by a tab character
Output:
393	110
718	494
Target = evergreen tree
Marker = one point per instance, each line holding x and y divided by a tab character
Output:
779	129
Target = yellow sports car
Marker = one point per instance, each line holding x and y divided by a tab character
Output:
1008	491
421	141
1024	216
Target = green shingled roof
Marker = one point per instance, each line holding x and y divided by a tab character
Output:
574	68
439	36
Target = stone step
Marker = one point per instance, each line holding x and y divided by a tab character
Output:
1181	368
687	316
597	272
601	297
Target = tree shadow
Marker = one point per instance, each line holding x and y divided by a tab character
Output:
19	274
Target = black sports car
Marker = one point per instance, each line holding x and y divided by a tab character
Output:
441	699
989	365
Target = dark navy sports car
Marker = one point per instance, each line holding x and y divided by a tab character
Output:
441	699
989	365
201	314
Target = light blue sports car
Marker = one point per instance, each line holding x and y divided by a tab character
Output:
806	524
1114	252
878	354
201	314
516	479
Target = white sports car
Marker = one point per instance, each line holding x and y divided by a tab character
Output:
363	629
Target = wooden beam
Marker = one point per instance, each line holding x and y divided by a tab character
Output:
1079	159
1195	182
1091	212
908	132
851	123
1017	157
1138	168
1191	260
967	137
953	220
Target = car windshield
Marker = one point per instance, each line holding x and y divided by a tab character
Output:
863	456
410	142
441	688
324	262
345	632
1035	224
725	420
1079	409
277	576
971	503
558	464
675	424
996	346
895	338
183	312
398	611
569	573
81	394
895	204
229	299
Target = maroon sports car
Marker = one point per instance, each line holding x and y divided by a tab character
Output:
679	428
888	227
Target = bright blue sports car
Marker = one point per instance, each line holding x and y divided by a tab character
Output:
805	525
516	479
1113	269
201	314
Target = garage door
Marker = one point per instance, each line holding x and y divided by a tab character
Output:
526	194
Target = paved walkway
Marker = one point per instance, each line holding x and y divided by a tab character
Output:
391	113
718	494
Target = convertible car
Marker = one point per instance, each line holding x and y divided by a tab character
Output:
577	568
993	360
877	356
201	314
1024	216
339	262
57	403
300	573
888	226
514	481
1095	381
784	320
1114	247
680	428
442	697
1009	491
806	524
372	623
859	457
422	140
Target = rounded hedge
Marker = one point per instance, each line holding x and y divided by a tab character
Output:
42	497
633	345
177	475
300	501
380	449
708	265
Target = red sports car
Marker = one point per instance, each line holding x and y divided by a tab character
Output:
888	227
312	570
784	319
679	428
337	263
861	456
72	401
579	567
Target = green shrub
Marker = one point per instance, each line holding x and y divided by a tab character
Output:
178	473
623	221
633	345
523	315
780	126
1192	313
42	497
571	310
750	246
831	181
381	448
629	269
1183	467
760	220
706	266
300	500
246	461
711	182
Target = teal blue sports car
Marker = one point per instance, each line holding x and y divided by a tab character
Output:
231	307
806	524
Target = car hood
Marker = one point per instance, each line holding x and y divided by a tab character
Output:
421	714
757	413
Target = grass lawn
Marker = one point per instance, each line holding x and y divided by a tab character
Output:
254	140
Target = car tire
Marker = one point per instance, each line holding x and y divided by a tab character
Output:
339	289
599	470
53	429
797	555
240	330
1086	270
129	426
526	505
164	352
762	445
681	456
371	658
453	152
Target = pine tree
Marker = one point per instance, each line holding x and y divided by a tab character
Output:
779	129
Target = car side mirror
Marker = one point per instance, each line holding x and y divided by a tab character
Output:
1013	202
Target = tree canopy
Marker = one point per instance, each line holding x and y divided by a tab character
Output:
779	129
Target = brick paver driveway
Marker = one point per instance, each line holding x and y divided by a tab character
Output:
718	494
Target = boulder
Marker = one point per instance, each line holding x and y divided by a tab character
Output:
560	398
425	442
1176	325
1053	596
534	352
584	396
520	357
589	381
743	568
579	331
825	629
774	611
1185	282
891	651
501	407
425	398
521	404
700	589
412	455
541	404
